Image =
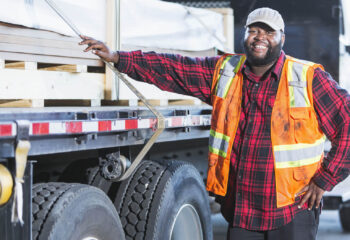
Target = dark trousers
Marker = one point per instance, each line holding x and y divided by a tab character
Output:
303	227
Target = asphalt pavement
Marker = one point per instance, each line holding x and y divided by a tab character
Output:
329	228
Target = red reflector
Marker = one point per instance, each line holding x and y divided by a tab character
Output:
131	124
40	128
104	126
6	130
74	127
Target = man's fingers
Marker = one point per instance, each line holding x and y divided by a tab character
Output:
85	37
318	199
304	189
99	53
88	42
312	200
304	199
96	46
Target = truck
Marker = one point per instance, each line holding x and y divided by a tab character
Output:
98	171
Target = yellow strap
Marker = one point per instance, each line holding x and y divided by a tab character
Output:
22	150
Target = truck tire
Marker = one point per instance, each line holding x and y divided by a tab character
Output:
95	179
344	214
73	212
164	202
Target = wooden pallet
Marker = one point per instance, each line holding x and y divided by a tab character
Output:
30	84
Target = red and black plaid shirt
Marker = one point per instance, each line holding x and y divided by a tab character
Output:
250	202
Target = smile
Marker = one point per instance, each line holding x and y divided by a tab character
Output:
260	47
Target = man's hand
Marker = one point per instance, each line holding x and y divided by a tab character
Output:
100	49
313	194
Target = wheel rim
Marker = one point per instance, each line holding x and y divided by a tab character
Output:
187	224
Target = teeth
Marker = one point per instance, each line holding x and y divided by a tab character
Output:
260	46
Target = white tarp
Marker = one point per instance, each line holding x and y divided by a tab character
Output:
153	23
147	23
87	15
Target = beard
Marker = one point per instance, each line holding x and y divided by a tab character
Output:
271	55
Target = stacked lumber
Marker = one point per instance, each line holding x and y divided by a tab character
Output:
42	68
38	65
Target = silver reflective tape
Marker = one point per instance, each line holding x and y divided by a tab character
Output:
218	143
230	66
297	84
299	99
299	154
227	74
224	81
297	74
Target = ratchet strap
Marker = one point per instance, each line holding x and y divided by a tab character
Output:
21	155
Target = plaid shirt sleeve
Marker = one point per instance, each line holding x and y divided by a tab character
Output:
169	72
332	105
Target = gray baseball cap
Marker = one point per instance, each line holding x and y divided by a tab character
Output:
268	16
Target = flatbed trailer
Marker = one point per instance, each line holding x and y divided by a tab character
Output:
78	149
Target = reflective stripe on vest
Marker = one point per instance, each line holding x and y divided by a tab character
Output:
218	143
297	83
298	155
228	70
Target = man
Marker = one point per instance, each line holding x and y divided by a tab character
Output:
271	113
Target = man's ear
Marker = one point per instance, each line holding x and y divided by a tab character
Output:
283	38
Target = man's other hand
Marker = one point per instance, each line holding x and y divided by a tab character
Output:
313	194
100	49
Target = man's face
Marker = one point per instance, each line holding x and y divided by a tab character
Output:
262	44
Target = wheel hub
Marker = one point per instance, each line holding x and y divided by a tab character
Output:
187	224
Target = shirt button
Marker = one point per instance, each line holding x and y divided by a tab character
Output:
256	84
240	176
250	120
238	195
246	138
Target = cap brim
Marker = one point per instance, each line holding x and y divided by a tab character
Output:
270	24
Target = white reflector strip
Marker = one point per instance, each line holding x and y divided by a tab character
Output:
90	126
118	125
144	123
57	128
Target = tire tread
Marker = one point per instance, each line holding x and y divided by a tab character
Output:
135	198
44	197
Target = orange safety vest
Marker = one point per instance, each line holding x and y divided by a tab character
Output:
297	140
